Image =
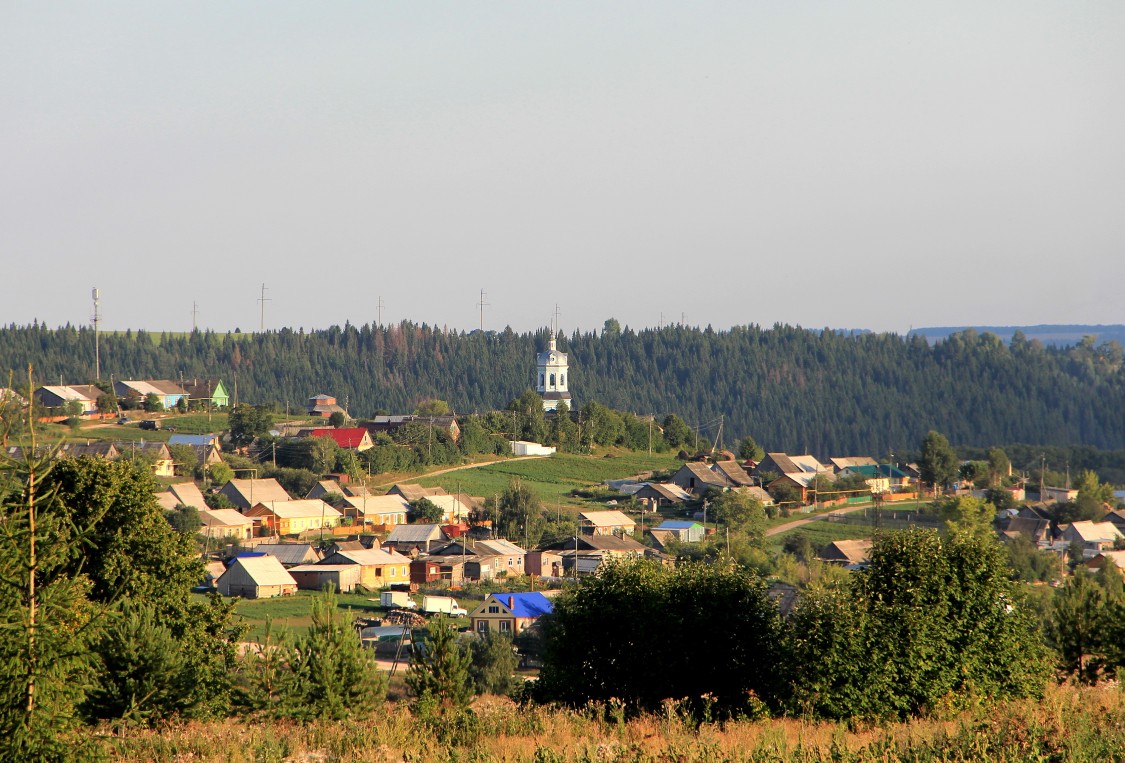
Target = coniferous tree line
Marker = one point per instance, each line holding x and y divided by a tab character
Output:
824	392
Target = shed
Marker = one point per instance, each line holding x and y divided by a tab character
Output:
317	577
256	577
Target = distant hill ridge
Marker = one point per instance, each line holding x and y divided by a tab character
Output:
1059	335
824	392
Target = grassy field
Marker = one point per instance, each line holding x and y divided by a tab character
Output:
551	478
292	612
1085	725
822	532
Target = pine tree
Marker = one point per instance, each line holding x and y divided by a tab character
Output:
45	616
330	674
439	676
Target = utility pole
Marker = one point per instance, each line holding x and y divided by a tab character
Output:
263	300
482	304
97	326
194	316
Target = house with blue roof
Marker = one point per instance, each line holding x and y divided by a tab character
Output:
685	531
510	613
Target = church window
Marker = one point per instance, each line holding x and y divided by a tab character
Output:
540	380
552	381
562	380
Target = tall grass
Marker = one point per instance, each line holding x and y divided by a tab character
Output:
1067	725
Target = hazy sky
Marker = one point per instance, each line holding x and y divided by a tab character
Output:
845	164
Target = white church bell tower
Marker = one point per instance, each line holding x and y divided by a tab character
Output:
551	370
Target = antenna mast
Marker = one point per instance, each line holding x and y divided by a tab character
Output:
194	315
263	299
97	325
482	304
380	309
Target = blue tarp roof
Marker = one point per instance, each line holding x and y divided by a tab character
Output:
530	604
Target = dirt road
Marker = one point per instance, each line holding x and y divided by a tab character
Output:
457	469
818	518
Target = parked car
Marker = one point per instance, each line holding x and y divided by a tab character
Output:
149	424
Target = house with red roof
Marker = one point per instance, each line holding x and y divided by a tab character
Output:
352	438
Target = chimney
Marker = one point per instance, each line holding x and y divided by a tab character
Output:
511	602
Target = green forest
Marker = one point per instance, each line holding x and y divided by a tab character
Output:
794	389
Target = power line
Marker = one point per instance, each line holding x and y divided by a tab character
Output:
97	319
263	299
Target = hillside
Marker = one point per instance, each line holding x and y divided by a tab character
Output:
791	388
1049	334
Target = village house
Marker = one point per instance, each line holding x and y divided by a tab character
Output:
697	478
209	393
408	539
213	440
543	564
256	576
389	424
1094	537
452	509
188	494
295	517
485	559
840	463
606	523
55	397
156	453
225	524
733	473
662	540
1036	530
849	554
425	571
1059	494
350	438
290	554
509	613
378	568
246	493
382	510
325	487
684	531
324	406
782	463
135	392
1106	557
1117	519
317	577
759	494
91	448
801	482
412	492
661	494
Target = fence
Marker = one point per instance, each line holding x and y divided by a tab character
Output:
888	519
